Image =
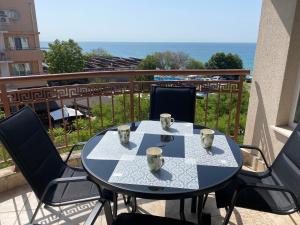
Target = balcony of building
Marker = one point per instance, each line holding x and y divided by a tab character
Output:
268	121
22	55
105	104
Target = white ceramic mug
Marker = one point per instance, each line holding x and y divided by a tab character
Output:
207	137
166	120
124	133
154	158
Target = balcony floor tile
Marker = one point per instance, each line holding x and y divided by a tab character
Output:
18	205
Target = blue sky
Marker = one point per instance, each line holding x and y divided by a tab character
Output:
149	20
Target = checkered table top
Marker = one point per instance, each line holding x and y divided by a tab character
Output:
184	157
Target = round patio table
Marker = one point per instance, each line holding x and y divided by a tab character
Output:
208	177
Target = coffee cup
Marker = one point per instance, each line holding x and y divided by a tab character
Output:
207	137
166	120
154	158
124	133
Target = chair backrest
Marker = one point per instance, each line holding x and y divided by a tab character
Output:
31	148
178	101
287	164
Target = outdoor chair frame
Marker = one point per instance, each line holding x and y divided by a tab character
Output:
34	153
275	190
179	101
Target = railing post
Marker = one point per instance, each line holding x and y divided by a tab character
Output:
5	100
131	78
238	108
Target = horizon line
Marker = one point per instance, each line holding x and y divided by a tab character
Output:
231	42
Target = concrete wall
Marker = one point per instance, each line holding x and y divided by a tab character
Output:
275	75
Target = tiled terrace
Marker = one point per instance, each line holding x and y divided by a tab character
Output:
18	205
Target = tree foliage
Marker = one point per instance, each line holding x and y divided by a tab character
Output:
194	64
148	63
99	52
221	60
64	57
165	60
169	60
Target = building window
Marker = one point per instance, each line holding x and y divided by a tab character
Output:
21	69
7	16
4	16
18	43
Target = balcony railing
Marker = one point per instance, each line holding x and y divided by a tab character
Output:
105	104
22	49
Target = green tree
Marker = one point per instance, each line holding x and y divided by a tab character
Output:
171	60
165	60
148	63
64	57
99	52
221	60
168	60
194	64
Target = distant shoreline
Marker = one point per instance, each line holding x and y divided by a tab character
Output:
198	50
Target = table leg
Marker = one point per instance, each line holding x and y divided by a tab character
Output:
194	205
200	209
115	205
203	218
107	208
108	213
134	204
182	216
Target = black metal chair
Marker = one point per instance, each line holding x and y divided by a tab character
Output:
178	101
275	190
52	180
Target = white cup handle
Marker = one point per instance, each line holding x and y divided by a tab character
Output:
172	121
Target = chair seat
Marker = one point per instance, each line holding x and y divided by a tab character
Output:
70	192
143	219
257	199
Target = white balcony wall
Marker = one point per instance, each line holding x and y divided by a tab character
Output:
275	76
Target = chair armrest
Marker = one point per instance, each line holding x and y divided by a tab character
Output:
63	180
271	188
73	147
257	149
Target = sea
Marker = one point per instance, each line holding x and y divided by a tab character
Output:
196	50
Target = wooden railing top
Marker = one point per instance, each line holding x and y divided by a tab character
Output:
127	73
